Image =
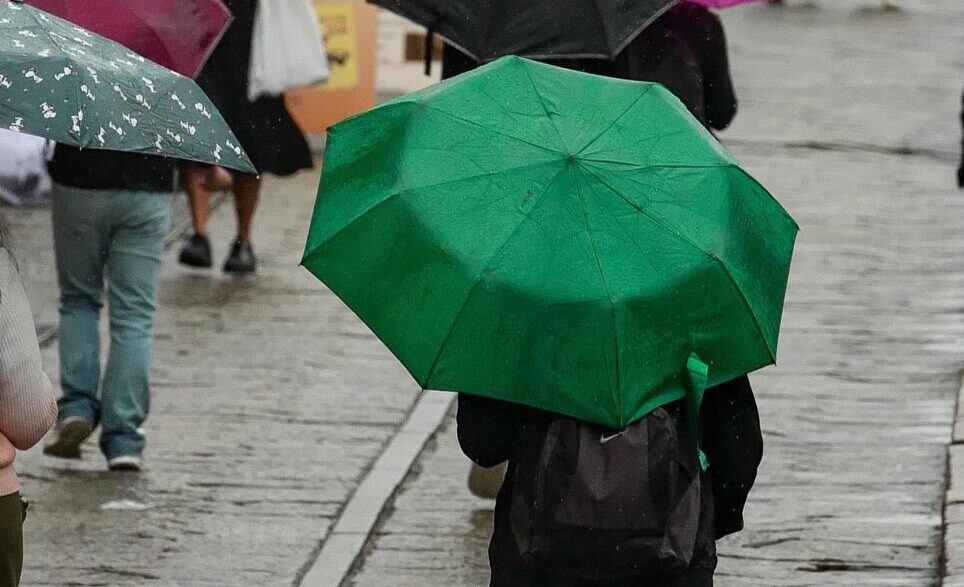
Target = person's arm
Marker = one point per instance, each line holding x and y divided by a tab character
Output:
27	406
733	444
487	429
720	98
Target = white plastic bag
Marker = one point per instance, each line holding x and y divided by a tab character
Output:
287	50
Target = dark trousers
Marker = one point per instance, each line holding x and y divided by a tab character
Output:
11	540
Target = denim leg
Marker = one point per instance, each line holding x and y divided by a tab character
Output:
133	268
80	246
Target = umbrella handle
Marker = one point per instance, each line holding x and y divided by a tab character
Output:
698	376
429	45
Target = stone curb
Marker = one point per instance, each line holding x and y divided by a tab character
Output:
350	532
953	535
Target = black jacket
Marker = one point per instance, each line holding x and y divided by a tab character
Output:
685	50
96	169
491	432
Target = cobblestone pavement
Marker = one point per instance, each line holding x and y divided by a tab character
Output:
269	402
859	411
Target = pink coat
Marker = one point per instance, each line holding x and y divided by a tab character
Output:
27	406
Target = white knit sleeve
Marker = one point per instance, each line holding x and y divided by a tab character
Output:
27	406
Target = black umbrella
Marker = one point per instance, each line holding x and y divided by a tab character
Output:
539	29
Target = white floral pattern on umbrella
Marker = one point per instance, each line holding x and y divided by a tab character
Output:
64	83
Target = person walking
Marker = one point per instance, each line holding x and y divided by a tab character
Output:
27	409
686	51
111	214
267	133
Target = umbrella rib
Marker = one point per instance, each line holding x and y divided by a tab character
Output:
63	52
767	192
616	120
632	146
488	128
479	279
461	47
622	46
214	45
525	68
655	166
402	192
402	9
726	271
617	392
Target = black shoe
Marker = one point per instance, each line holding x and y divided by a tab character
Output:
70	433
241	259
196	252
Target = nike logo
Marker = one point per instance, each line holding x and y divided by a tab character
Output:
604	438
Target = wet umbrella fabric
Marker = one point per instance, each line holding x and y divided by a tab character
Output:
540	29
552	238
64	83
178	34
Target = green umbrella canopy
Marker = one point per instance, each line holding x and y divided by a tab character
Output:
552	238
64	83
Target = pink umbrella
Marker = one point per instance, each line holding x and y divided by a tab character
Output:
722	3
178	34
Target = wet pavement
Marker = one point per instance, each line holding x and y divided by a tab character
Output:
271	401
859	410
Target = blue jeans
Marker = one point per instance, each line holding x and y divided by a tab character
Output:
109	241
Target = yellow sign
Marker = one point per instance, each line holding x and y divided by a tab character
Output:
349	27
338	24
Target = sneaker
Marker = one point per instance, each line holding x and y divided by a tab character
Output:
196	252
126	463
241	259
69	434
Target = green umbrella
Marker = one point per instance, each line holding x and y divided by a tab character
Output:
64	83
548	237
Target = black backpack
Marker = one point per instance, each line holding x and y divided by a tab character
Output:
594	503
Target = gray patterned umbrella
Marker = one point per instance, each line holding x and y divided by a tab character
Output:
67	84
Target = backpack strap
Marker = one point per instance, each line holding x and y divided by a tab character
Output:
698	374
